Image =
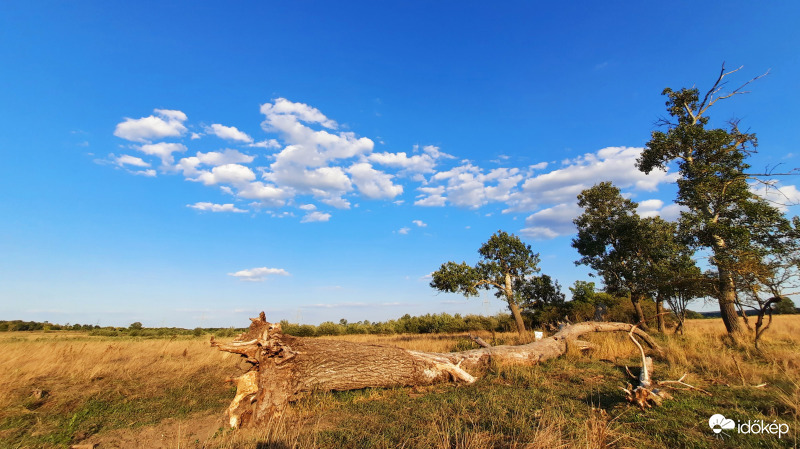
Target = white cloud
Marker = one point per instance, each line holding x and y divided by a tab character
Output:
615	164
150	173
552	222
164	151
420	223
166	123
431	197
321	181
776	194
650	208
235	174
283	214
419	163
269	143
372	183
336	201
315	216
403	231
316	162
258	274
301	111
468	186
434	152
539	166
189	165
211	207
310	161
229	133
672	212
125	159
266	193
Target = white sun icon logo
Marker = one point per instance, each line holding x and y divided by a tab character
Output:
718	423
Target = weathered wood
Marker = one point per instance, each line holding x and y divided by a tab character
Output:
481	342
286	367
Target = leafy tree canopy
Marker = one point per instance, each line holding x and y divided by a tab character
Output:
507	265
723	214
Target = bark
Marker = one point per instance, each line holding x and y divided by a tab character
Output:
727	302
481	342
512	305
517	316
660	314
765	308
636	299
285	367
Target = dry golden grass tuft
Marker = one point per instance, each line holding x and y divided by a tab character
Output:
63	364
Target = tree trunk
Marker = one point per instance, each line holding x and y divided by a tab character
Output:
727	302
512	305
286	367
517	316
660	314
636	299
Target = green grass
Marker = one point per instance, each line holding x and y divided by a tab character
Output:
71	423
510	406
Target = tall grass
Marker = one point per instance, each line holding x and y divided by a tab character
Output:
94	385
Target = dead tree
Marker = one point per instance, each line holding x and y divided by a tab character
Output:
284	367
644	395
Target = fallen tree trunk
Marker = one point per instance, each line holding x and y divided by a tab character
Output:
286	367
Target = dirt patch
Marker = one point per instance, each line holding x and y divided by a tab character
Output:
170	433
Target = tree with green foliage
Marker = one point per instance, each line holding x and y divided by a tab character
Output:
785	307
679	282
540	291
723	214
762	281
672	273
541	299
589	304
635	256
506	265
583	291
608	241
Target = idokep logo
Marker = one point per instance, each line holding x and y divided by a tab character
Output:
719	424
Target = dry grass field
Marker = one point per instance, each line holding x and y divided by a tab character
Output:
127	392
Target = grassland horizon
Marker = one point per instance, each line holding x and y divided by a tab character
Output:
64	388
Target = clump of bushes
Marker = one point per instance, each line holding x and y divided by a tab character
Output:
435	323
587	305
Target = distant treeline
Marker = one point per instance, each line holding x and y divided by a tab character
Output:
19	325
425	324
134	330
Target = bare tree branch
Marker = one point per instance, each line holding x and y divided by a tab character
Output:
709	99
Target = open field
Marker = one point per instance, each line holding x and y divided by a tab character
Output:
127	392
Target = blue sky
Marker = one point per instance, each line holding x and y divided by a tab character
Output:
192	163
